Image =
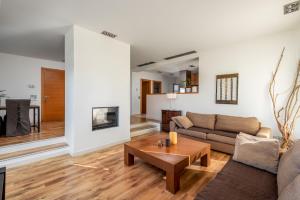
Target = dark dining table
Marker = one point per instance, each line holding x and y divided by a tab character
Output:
36	116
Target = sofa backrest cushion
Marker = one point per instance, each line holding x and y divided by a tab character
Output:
291	191
248	125
202	120
289	166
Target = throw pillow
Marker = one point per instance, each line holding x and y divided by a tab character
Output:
291	191
262	153
184	121
289	166
177	122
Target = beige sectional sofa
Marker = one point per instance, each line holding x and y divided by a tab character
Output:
238	181
219	130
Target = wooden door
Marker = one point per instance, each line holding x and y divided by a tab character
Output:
145	89
53	94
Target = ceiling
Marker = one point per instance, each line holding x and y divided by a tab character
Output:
171	68
155	28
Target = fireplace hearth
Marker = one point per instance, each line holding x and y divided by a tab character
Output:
105	117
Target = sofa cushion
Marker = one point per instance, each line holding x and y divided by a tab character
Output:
289	166
202	120
184	121
238	181
258	152
248	125
220	138
177	122
291	191
217	132
192	133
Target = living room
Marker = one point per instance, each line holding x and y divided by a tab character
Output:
220	100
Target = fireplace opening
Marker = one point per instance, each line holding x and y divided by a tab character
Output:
105	117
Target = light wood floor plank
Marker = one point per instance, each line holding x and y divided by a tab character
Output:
48	130
103	175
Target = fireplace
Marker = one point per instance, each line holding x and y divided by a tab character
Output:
105	117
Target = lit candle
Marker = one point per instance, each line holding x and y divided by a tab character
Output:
174	141
173	137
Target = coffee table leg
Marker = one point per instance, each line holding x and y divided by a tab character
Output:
173	181
205	160
128	158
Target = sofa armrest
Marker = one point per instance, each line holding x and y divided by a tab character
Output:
265	133
172	126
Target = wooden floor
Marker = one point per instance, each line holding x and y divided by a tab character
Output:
102	175
48	130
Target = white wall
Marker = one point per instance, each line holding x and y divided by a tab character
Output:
17	72
167	86
97	75
254	61
69	87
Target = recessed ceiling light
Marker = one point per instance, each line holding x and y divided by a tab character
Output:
108	34
291	7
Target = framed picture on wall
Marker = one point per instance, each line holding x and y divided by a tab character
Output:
176	88
227	88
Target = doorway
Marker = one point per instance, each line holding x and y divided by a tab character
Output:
53	95
145	89
157	87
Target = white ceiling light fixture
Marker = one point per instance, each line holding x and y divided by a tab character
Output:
291	7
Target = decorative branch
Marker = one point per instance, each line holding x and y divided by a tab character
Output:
291	110
272	92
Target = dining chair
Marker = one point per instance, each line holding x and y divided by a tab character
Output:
17	112
2	132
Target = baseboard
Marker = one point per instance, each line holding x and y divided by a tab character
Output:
98	148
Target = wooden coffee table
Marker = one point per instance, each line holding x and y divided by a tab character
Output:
173	160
